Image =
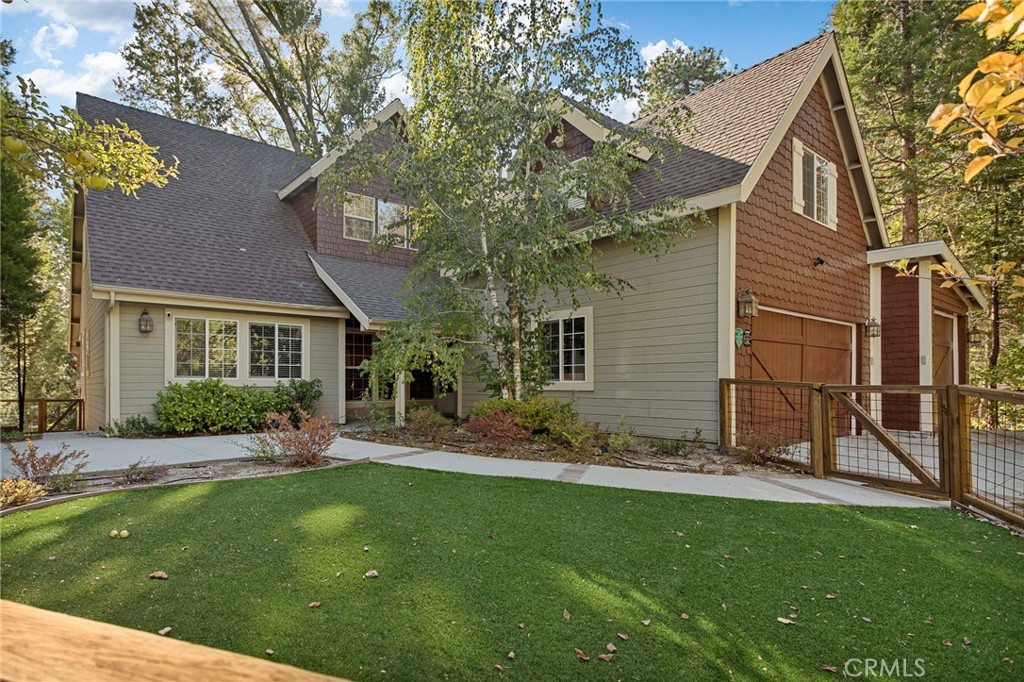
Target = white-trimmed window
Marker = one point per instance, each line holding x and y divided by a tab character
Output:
275	350
205	348
360	216
568	339
814	185
389	217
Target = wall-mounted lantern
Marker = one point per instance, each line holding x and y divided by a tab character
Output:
145	322
975	337
872	328
746	304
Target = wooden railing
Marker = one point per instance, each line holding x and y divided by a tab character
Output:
43	645
47	414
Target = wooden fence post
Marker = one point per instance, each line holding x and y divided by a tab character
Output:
828	436
817	434
952	441
41	416
724	413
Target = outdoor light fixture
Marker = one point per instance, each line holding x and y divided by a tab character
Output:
872	328
145	322
975	337
746	304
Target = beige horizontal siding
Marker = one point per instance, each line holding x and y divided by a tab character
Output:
655	347
94	321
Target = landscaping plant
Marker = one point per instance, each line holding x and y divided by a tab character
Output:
134	426
498	428
142	470
305	393
15	492
305	445
55	471
427	423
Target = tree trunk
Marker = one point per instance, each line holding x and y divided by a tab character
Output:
517	350
908	146
21	373
995	317
492	301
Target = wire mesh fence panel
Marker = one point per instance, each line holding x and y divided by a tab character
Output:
884	434
9	415
996	465
771	421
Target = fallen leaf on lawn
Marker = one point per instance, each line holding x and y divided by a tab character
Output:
1007	659
728	556
511	656
371	574
499	668
866	619
565	614
314	604
163	631
521	626
724	607
646	622
803	587
830	668
158	575
967	641
366	548
928	621
623	636
51	558
269	652
678	534
606	657
830	596
582	656
785	621
913	526
684	616
297	525
611	648
946	642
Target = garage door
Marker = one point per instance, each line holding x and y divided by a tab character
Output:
790	348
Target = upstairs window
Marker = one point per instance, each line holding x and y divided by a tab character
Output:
389	217
360	216
814	185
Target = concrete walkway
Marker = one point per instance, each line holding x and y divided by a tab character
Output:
106	454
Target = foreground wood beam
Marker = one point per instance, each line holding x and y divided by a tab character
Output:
54	647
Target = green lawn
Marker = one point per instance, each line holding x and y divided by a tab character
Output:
464	560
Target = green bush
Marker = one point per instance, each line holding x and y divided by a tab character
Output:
134	426
541	415
211	406
427	423
302	392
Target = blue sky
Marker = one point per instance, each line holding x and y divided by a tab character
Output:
66	47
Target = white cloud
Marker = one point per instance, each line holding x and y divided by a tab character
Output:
50	37
95	15
652	51
335	8
397	85
94	75
622	109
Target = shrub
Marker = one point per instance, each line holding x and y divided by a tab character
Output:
58	470
15	492
142	470
540	414
305	393
761	447
135	426
498	428
11	436
620	442
211	406
664	446
427	423
304	445
485	407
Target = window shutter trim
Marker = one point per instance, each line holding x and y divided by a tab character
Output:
833	217
798	175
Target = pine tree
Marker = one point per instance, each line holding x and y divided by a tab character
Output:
680	72
166	70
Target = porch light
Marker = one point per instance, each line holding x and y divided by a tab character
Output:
975	337
872	328
746	304
145	322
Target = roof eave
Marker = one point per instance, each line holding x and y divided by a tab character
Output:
937	251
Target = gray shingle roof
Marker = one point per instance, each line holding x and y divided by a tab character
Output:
732	121
373	287
217	230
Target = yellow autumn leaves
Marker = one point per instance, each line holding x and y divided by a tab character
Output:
991	111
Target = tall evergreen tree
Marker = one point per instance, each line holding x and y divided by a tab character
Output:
167	69
901	57
20	291
680	72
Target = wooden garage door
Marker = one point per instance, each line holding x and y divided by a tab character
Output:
791	348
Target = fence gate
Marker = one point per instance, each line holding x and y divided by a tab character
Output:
890	436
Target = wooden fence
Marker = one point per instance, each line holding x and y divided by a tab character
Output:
37	645
43	415
960	443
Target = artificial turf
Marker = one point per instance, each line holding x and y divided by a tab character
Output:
473	568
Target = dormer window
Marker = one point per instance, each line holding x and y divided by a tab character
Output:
360	216
814	185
